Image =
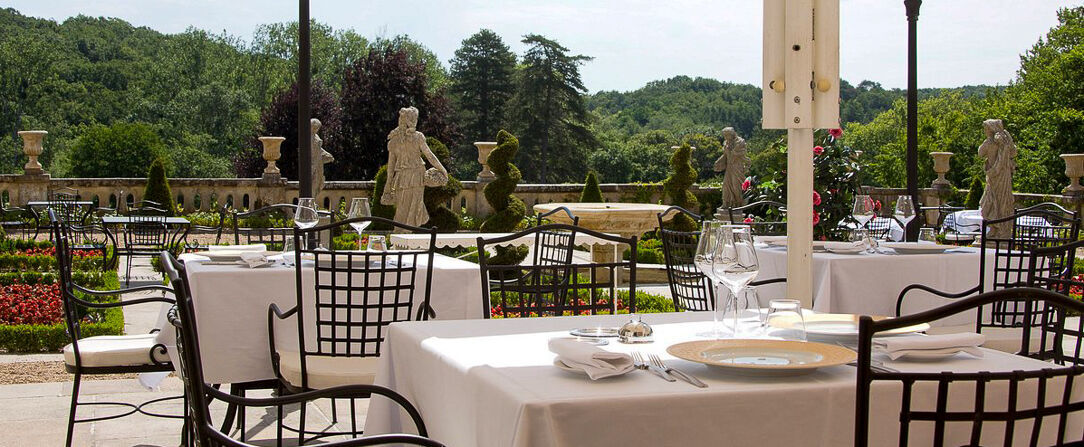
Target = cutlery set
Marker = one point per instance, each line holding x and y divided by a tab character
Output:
655	365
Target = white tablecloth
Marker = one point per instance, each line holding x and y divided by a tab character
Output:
231	311
492	383
421	241
869	284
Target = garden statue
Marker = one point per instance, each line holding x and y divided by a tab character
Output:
735	163
997	200
319	158
407	176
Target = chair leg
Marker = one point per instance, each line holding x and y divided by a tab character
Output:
353	418
334	412
71	414
301	425
128	272
278	438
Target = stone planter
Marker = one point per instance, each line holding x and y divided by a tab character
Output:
941	167
32	147
1074	169
484	148
271	153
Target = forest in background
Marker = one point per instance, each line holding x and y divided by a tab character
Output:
198	100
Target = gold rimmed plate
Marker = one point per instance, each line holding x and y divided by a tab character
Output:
763	357
840	326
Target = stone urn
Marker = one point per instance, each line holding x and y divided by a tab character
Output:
484	148
941	167
1074	169
32	147
271	153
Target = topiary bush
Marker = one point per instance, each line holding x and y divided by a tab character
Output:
676	187
436	199
591	192
508	210
157	189
975	194
379	209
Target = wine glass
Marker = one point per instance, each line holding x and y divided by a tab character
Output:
735	264
905	210
705	253
863	210
306	217
359	207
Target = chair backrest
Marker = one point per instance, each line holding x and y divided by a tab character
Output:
880	227
1051	268
690	289
1032	397
146	208
353	295
555	247
72	311
64	194
575	288
272	224
764	217
148	231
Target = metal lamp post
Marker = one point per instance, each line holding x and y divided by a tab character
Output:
304	102
912	113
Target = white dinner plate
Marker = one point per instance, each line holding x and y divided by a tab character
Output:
916	248
763	357
230	255
841	326
775	241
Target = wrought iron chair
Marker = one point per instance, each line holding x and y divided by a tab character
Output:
18	222
206	230
1032	228
146	208
555	247
1029	391
107	354
201	394
770	211
352	296
880	227
1051	268
277	219
67	194
690	289
145	236
555	289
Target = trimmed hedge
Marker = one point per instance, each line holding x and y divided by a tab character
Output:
50	338
508	210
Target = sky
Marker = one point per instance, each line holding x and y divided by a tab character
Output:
961	42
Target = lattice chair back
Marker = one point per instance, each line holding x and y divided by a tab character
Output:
63	253
1061	337
576	288
880	227
271	225
1038	405
555	247
690	289
146	232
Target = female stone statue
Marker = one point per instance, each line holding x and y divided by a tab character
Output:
735	162
405	187
997	200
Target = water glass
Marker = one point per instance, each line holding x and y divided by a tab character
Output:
735	261
703	259
927	236
377	243
359	207
863	210
288	251
785	320
737	312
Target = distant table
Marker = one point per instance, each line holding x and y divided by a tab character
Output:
445	240
110	224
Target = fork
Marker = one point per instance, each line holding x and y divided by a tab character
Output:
657	361
639	363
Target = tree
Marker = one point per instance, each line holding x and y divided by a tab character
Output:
676	187
508	210
157	189
591	192
374	90
549	111
279	119
437	198
120	150
482	83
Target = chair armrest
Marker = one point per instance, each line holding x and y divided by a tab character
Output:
274	312
928	289
122	291
85	303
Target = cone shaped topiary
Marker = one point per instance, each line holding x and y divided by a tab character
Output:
591	192
975	194
676	187
436	199
157	189
508	210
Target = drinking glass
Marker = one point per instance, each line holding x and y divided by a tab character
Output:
702	259
359	207
735	263
905	210
863	210
927	235
749	300
305	216
288	251
785	320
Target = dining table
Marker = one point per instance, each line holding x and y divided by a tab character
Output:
231	301
494	383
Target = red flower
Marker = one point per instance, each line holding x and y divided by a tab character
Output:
876	205
745	185
816	198
835	133
817	150
816	217
748	220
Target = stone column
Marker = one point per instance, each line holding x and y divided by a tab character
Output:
484	148
941	167
271	154
32	147
1074	169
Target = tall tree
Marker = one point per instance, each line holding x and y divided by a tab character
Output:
482	83
549	112
279	119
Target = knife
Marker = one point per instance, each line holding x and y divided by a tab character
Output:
686	377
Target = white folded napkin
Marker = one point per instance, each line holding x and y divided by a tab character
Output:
192	257
897	347
597	363
254	259
837	245
243	247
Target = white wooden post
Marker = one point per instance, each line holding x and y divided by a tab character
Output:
800	94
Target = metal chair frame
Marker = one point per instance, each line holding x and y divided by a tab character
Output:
977	415
690	289
1051	268
268	235
737	215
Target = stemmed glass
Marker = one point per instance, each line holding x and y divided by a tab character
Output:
905	211
863	212
735	264
305	216
703	259
359	207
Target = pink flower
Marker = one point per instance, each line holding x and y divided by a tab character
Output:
816	198
745	185
816	218
835	133
748	220
817	150
877	205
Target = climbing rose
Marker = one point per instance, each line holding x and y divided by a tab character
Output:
748	220
835	133
817	150
816	198
816	218
745	185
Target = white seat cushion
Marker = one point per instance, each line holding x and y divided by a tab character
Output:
326	371
997	338
116	350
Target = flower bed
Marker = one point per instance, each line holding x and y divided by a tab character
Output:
646	303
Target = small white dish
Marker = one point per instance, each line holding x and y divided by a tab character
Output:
916	248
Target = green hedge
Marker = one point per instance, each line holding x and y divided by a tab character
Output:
50	338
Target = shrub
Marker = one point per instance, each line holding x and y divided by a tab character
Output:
379	209
676	187
120	150
975	194
157	189
436	199
591	192
645	302
35	333
508	210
